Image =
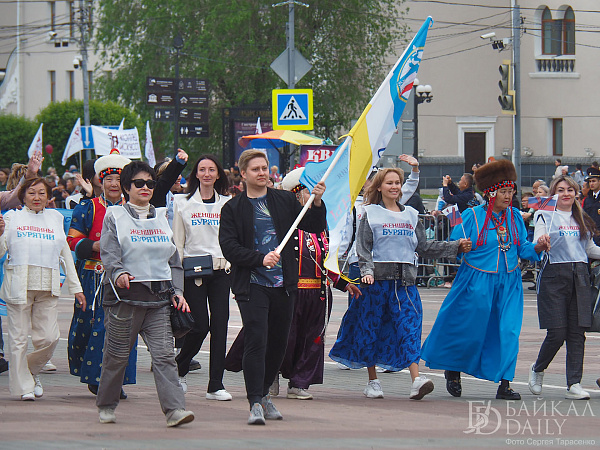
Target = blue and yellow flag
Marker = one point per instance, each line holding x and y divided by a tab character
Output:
365	143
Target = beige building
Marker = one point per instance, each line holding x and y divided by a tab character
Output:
560	76
39	51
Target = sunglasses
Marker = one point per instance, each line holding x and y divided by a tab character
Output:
139	183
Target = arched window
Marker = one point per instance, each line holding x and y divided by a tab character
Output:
569	32
558	35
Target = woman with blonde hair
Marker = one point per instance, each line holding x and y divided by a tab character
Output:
564	303
383	327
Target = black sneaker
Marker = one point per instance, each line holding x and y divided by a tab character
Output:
3	365
195	365
453	384
506	393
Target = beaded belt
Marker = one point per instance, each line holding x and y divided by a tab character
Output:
309	283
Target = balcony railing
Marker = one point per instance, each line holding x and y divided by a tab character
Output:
555	64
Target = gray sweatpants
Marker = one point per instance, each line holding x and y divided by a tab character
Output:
123	322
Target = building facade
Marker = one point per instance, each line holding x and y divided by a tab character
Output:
40	56
464	124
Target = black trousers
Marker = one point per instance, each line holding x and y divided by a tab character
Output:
574	335
266	317
215	290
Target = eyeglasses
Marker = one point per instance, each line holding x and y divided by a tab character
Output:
139	183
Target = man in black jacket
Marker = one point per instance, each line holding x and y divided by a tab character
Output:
264	282
591	204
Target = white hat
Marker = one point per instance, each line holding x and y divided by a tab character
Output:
113	161
291	182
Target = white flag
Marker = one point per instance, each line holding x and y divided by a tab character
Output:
258	127
126	141
36	144
149	150
121	124
75	143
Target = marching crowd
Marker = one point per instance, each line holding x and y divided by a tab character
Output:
148	243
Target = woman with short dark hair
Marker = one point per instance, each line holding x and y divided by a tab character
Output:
35	241
138	292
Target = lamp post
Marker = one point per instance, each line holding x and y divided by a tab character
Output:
421	94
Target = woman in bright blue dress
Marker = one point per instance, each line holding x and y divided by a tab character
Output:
477	328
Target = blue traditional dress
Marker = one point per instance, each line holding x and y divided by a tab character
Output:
86	334
477	328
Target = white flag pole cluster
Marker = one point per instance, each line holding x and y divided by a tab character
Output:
36	145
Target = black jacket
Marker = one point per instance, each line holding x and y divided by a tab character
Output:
453	195
236	237
165	182
591	206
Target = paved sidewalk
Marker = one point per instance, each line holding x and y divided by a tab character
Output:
338	417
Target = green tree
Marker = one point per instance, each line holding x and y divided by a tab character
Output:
16	134
58	119
232	43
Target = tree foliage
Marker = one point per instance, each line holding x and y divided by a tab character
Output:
16	134
60	117
232	44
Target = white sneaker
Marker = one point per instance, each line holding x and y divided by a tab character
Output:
299	393
221	395
38	390
576	392
49	367
373	389
535	381
420	388
183	384
29	397
107	415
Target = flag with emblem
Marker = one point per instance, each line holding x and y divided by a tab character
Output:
365	143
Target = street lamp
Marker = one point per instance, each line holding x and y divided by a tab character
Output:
178	45
422	93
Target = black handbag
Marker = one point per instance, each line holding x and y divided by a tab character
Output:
181	322
198	266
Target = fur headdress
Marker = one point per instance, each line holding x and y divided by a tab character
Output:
492	175
490	178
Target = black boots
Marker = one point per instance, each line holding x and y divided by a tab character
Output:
506	393
453	385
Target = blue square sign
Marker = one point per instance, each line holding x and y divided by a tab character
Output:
292	109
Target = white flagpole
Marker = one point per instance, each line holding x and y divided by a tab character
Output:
287	237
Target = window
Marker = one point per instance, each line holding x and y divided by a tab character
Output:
72	25
52	15
569	32
52	74
558	35
557	137
71	80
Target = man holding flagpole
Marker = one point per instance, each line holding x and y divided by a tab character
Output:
264	276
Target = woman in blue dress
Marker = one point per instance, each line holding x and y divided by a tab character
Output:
383	327
477	328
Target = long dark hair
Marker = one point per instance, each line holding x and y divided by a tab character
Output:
221	184
587	226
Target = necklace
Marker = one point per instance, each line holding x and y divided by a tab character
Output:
502	231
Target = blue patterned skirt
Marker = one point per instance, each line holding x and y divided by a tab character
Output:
383	328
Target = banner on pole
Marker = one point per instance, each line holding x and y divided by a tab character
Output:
126	141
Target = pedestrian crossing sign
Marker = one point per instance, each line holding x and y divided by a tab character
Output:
292	109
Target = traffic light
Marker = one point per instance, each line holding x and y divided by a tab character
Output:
507	96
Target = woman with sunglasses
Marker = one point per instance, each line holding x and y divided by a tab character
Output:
86	334
196	220
138	292
564	302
